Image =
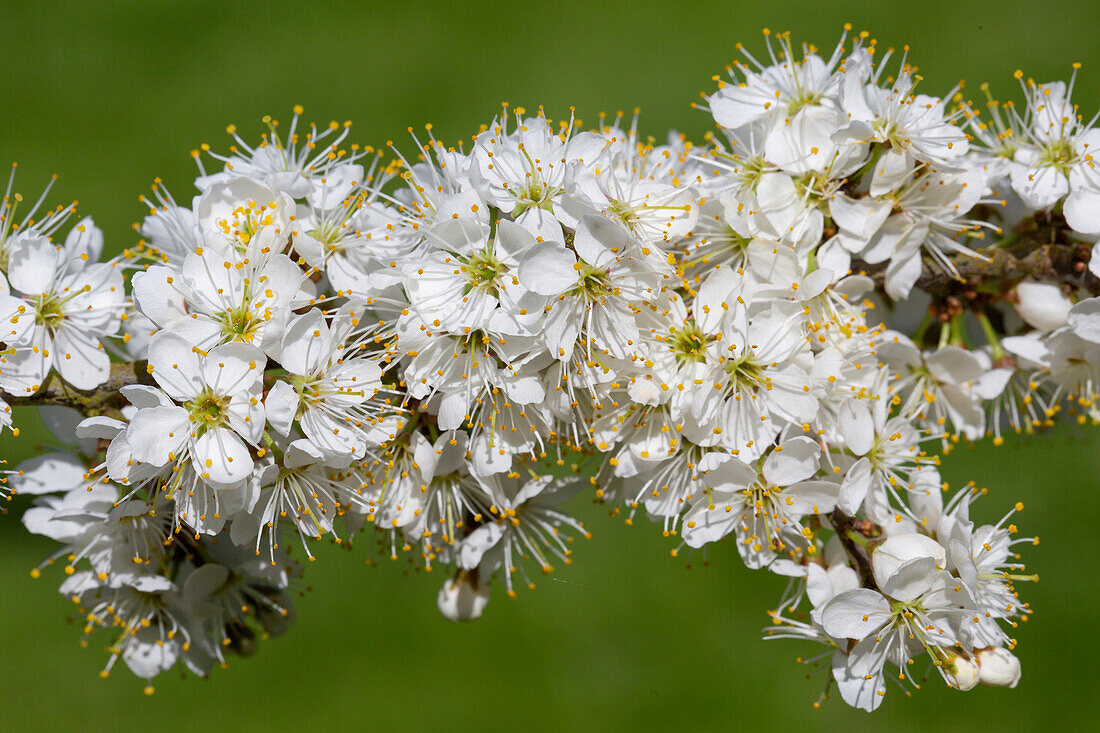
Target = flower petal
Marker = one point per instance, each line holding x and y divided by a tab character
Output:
221	457
176	366
855	614
158	433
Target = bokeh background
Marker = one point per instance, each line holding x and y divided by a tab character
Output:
111	94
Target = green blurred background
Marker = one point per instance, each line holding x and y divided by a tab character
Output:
111	94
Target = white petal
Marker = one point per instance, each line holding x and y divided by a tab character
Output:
860	217
176	366
910	580
599	241
305	343
459	600
855	614
281	407
793	461
141	395
156	297
857	482
1082	211
703	523
1084	319
804	142
512	240
84	238
892	169
155	434
302	453
233	368
864	690
80	359
280	281
48	473
902	548
99	428
857	426
902	273
477	543
453	409
812	497
221	457
525	390
547	269
204	581
1043	305
1040	187
953	365
32	265
147	659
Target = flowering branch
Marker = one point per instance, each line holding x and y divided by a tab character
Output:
327	344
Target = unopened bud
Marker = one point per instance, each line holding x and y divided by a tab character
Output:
999	667
962	673
462	598
1042	305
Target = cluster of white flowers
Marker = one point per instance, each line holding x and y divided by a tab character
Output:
442	350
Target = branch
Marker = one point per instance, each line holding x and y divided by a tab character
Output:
103	400
843	524
1061	263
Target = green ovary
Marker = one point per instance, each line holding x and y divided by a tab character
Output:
481	272
690	344
745	372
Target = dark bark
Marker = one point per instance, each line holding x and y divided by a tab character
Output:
845	526
103	400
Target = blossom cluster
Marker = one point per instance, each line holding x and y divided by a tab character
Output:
439	351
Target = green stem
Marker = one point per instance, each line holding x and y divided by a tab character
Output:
991	336
958	331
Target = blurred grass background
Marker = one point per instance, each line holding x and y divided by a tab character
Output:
111	94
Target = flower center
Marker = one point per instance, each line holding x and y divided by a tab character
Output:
592	283
482	271
804	99
535	195
247	220
208	410
48	312
1058	155
623	212
745	372
689	344
239	324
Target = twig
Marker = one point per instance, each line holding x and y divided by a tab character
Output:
103	400
844	526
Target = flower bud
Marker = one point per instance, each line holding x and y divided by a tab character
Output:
899	549
462	598
999	667
962	673
1042	305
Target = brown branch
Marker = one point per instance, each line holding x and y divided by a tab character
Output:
103	400
1000	270
844	526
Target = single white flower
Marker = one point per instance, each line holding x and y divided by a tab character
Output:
215	298
219	413
331	387
765	508
69	304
